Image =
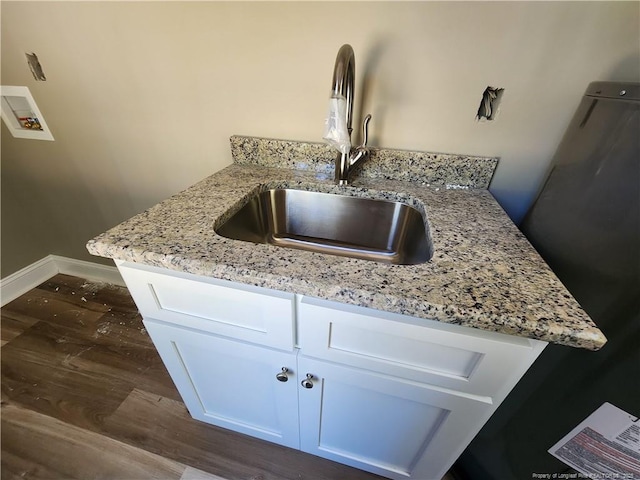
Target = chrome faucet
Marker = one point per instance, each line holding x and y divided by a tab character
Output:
344	73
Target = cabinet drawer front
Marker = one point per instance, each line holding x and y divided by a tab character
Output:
240	312
459	358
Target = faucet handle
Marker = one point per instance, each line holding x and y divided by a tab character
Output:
361	152
365	130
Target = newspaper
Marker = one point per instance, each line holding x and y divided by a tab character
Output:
606	445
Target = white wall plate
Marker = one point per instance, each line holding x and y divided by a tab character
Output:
19	110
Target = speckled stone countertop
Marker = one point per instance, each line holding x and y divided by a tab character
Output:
384	163
484	273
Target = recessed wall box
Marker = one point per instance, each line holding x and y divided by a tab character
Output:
21	115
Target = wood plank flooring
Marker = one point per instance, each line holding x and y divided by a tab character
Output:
86	396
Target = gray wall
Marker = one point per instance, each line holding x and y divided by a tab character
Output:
142	97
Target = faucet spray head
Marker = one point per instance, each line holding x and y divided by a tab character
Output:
344	74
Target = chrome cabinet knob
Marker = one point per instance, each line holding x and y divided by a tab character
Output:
307	382
282	376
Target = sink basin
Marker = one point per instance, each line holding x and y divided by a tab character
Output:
364	228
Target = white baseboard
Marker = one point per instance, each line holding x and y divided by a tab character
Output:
88	270
24	280
33	275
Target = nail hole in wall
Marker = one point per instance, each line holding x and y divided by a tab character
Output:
489	104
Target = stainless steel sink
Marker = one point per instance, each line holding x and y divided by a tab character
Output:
380	230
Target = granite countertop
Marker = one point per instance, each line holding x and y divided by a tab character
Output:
484	273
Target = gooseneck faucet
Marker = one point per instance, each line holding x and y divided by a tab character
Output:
344	73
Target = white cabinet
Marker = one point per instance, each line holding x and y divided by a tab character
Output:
394	395
399	396
224	345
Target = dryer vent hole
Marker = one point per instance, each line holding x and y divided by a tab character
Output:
490	103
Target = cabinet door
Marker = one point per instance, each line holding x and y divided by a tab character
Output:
385	425
231	384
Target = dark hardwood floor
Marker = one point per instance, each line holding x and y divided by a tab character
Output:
86	396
